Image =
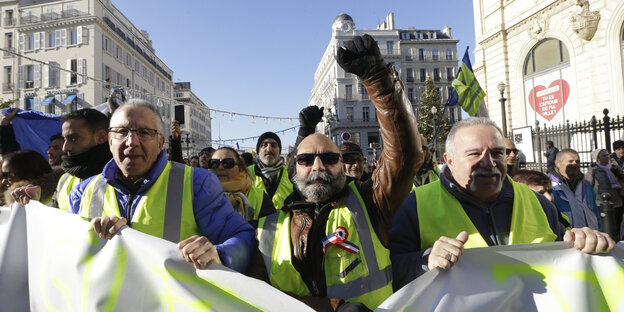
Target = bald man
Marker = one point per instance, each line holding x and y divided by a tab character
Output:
139	188
329	244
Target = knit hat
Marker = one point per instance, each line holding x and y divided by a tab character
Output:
618	144
594	154
350	148
268	135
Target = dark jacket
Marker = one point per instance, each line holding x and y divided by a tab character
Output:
601	184
8	143
551	155
382	194
619	161
493	222
175	150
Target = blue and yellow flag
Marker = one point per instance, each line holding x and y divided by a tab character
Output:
466	89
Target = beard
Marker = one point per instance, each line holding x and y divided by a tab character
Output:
486	173
320	186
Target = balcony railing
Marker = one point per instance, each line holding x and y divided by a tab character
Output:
29	19
8	53
9	22
7	86
355	122
393	51
349	97
50	16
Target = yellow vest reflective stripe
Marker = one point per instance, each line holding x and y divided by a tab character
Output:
441	214
65	184
165	210
284	188
364	277
255	198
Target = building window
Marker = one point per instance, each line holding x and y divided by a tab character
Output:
436	74
449	54
373	137
423	75
365	114
51	40
435	54
450	76
546	54
363	92
421	54
8	77
73	40
8	41
409	75
349	113
390	47
348	92
74	74
410	94
408	54
355	138
29	103
30	42
29	79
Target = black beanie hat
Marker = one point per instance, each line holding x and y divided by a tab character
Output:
268	135
618	144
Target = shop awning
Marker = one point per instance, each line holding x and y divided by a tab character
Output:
47	101
69	99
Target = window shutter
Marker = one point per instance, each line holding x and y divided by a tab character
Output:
37	75
79	35
37	41
82	70
85	35
21	43
22	104
46	76
42	39
63	37
57	38
68	75
79	70
20	76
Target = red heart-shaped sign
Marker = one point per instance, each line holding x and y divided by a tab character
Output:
548	101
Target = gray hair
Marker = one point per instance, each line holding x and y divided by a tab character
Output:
565	151
470	122
138	103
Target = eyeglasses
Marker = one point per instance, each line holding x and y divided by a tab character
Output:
121	133
228	163
308	159
7	175
509	150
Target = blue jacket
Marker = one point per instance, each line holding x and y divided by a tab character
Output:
233	237
584	199
492	222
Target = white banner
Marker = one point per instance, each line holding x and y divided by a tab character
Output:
530	277
70	269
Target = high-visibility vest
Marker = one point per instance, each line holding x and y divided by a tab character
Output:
255	197
284	188
441	214
165	210
65	184
364	277
434	174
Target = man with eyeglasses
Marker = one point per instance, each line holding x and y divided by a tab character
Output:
86	153
269	173
328	245
475	204
139	188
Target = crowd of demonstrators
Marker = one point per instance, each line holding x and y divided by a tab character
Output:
332	230
475	204
429	171
574	196
235	180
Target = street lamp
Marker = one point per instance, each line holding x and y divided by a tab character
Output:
501	88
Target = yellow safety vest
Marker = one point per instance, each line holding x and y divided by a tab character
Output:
255	197
284	188
364	277
441	214
434	174
165	210
65	184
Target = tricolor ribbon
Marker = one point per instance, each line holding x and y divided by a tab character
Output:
339	239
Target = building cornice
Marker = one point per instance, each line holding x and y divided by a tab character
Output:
58	23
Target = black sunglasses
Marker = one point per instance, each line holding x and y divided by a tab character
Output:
308	159
228	163
509	150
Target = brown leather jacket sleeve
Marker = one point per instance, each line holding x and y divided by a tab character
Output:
401	156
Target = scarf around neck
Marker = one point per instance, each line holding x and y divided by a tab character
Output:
610	175
236	190
87	163
272	171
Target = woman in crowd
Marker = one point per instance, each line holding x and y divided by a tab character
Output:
232	172
607	178
26	167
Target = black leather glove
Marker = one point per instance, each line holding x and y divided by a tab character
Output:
310	116
361	56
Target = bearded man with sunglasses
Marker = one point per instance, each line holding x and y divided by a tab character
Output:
328	245
139	188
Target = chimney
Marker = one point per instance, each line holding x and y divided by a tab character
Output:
447	31
390	21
